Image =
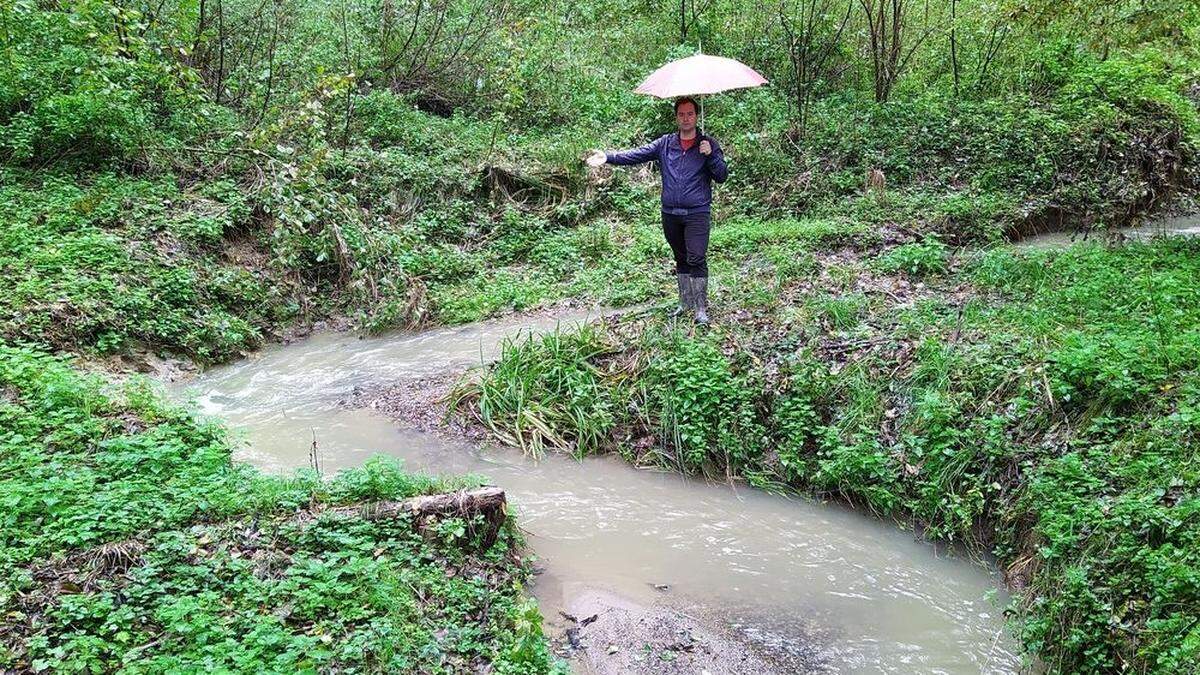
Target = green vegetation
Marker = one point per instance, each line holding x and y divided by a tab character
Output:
918	259
110	264
196	178
1039	404
193	179
129	540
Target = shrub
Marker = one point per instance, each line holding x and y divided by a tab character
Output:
923	259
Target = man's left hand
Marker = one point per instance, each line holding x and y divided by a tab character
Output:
705	147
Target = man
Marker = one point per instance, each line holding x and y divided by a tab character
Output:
689	163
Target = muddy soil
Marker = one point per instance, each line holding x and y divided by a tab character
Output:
605	634
418	403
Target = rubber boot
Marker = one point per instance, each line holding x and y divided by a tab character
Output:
700	299
685	294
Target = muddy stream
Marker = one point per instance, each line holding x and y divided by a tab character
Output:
1175	226
732	579
760	583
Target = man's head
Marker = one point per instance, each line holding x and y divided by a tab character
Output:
685	114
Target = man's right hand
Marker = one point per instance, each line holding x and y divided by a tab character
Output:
596	158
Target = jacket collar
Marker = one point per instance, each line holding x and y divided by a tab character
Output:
678	140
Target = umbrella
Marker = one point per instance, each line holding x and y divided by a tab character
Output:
699	75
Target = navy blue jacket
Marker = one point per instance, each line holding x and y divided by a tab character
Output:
686	176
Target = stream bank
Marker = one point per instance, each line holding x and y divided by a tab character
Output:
801	585
1019	402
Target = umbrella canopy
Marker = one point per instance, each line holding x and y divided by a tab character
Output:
697	75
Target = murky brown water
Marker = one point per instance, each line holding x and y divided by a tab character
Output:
1180	226
781	571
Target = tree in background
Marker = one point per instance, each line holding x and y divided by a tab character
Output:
689	16
892	40
811	39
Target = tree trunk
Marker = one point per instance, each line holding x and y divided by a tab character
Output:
954	43
485	501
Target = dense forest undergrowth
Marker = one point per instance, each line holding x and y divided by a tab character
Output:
195	179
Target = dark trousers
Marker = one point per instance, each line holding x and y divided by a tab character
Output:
688	237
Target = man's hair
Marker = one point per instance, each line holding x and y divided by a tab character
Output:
686	99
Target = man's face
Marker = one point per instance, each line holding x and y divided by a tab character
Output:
685	117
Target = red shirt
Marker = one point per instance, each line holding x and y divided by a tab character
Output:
687	144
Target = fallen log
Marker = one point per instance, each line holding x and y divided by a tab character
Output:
484	500
489	502
464	503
